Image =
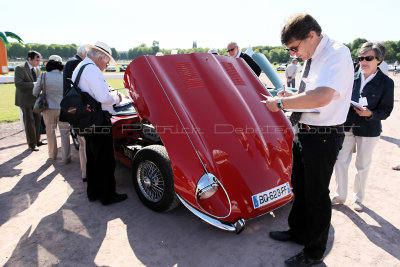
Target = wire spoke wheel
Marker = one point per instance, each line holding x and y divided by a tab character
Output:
153	179
150	181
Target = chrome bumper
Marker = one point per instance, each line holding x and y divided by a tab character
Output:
236	227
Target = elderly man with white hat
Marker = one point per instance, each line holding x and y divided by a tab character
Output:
99	144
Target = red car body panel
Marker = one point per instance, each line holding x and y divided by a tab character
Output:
207	112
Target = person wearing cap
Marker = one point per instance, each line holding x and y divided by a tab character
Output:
100	165
213	51
53	88
234	51
290	74
64	126
25	77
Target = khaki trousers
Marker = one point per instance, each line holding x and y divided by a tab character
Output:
365	147
50	117
65	143
82	155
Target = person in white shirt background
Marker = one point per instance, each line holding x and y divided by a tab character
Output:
290	74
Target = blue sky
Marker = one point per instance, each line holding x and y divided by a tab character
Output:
176	23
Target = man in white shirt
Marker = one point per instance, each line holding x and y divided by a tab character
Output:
290	74
326	85
99	144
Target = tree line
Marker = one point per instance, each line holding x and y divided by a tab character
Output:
275	54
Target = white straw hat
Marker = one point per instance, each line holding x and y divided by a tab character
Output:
103	47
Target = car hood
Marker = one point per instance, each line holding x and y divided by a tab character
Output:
207	110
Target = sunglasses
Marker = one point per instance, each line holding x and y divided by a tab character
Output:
294	49
230	50
368	58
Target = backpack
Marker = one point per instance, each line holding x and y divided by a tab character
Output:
80	109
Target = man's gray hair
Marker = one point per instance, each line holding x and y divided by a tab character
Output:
232	43
378	48
94	53
82	50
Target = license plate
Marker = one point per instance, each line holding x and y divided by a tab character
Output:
271	195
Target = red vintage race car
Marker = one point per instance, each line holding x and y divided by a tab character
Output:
198	135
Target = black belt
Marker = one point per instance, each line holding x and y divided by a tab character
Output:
321	129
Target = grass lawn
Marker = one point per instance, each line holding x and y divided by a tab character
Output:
9	112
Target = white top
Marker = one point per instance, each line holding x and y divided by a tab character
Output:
291	70
29	64
384	68
92	81
332	67
239	53
365	81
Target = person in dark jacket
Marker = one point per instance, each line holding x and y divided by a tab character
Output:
25	78
372	98
234	51
64	126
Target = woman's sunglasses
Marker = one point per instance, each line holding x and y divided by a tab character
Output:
368	58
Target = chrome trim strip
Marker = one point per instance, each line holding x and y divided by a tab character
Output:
226	193
235	227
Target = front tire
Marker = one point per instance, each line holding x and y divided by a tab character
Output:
153	179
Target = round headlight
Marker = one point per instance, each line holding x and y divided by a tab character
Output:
207	186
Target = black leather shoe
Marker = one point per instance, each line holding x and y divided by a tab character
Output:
93	198
115	199
41	143
282	235
301	260
33	148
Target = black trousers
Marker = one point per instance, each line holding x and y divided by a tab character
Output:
100	164
315	150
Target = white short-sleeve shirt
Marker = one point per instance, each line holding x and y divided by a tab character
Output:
331	66
92	81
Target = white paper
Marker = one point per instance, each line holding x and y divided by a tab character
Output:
363	101
125	101
358	105
310	110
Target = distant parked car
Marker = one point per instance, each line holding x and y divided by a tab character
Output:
111	68
123	67
11	67
281	67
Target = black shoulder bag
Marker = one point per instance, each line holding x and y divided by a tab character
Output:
80	109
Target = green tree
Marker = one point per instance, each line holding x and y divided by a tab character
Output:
114	53
155	47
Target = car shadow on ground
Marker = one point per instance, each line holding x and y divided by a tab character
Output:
76	232
385	236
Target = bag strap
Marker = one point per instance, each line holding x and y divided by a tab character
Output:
43	85
78	77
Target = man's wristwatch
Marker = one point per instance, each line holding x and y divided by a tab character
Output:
279	103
